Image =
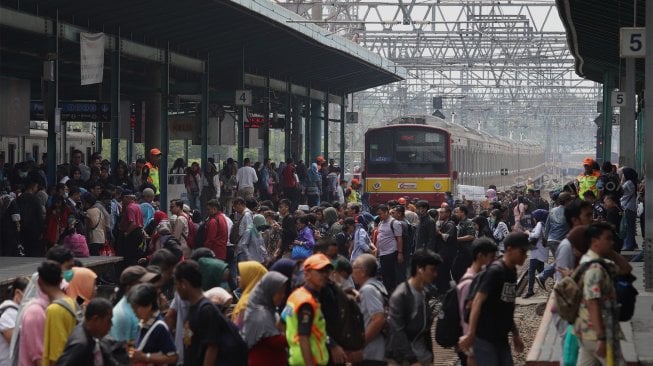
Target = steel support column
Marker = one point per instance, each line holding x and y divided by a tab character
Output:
606	130
316	131
308	118
627	122
648	242
204	115
641	139
266	125
325	132
51	96
287	129
343	109
115	106
165	142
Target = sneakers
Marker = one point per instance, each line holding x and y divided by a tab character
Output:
540	282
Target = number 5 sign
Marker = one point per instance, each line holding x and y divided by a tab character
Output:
618	98
633	42
244	97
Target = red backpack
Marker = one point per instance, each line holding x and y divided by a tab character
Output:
192	231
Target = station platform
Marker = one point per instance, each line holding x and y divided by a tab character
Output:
637	350
13	267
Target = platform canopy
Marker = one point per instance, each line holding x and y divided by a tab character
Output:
592	29
256	36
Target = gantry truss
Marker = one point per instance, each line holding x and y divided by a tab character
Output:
496	64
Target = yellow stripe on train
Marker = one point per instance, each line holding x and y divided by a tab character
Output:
407	185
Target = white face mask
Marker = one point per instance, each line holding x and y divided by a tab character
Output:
65	195
22	174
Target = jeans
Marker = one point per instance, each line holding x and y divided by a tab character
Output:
629	242
491	353
550	269
533	265
194	201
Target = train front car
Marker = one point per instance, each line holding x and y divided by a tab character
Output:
407	160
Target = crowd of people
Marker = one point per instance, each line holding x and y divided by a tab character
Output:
256	266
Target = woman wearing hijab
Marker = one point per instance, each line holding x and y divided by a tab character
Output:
81	285
629	205
251	273
286	267
482	227
266	342
303	245
313	186
253	242
362	242
539	255
215	272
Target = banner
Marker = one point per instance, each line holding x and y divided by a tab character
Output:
14	106
472	193
91	57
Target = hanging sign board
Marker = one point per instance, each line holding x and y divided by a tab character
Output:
91	57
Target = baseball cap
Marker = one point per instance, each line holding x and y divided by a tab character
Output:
155	151
317	262
588	161
136	274
401	200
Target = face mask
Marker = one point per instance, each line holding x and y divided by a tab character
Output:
22	174
68	275
65	195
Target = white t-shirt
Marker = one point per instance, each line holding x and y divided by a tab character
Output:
246	177
386	241
7	321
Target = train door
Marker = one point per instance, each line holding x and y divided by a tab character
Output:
70	151
35	153
12	154
89	152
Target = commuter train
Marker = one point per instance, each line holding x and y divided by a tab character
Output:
425	156
17	149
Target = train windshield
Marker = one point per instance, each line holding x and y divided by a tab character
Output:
407	151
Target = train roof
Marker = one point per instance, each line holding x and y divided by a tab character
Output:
460	130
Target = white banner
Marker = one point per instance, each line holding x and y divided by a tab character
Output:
91	57
472	193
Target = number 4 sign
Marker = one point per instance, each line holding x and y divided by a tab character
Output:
244	97
633	42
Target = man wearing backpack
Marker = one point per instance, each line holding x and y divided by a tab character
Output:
217	231
483	251
209	337
60	317
597	324
373	299
305	325
493	294
410	317
391	249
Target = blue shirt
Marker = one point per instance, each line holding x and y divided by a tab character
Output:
125	322
556	226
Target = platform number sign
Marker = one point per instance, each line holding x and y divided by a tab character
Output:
618	98
244	97
633	42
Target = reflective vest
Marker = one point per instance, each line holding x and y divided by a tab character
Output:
588	183
318	336
153	176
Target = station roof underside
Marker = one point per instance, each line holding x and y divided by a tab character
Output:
253	36
592	29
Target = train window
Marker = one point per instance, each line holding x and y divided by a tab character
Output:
380	147
420	147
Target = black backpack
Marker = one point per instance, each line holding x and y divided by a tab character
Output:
348	330
408	235
231	341
448	329
474	287
200	235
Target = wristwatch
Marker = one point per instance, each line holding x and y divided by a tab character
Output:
149	356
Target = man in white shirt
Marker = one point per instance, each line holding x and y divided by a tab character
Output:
391	249
246	177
